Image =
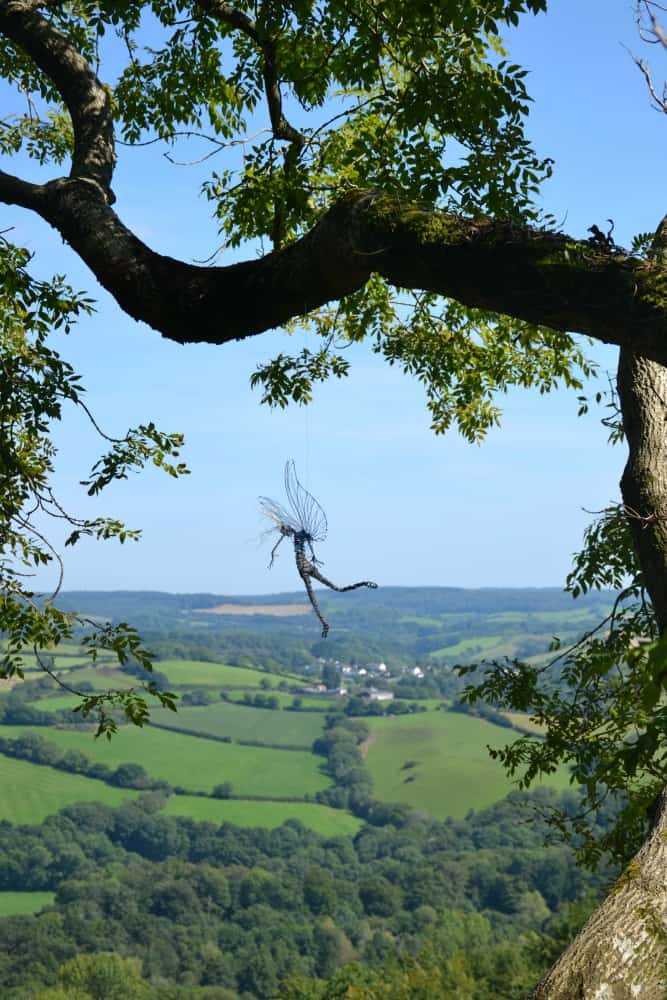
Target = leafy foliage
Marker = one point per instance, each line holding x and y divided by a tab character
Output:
418	100
217	906
601	701
36	383
464	357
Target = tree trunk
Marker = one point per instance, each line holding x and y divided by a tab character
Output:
621	953
642	389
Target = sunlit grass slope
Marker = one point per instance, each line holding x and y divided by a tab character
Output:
322	819
195	763
452	772
55	703
29	792
101	678
199	672
13	903
241	722
286	698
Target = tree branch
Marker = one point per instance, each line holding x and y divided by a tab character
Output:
536	276
268	45
280	126
654	34
84	95
14	191
541	277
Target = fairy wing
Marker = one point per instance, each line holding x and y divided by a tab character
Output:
306	511
278	514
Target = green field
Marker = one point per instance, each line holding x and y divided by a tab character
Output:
453	771
195	763
242	722
57	702
481	643
569	620
523	720
322	819
423	620
193	672
63	648
12	903
286	698
59	662
29	792
101	678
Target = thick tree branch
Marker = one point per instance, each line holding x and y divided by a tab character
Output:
537	276
540	277
84	95
14	191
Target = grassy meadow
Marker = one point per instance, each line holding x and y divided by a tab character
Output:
285	698
524	721
449	770
17	903
245	723
484	645
329	822
100	678
195	763
56	703
192	672
29	792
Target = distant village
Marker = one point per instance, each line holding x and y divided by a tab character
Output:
368	676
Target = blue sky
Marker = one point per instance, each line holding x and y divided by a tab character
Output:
404	507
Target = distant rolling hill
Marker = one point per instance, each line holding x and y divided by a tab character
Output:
392	623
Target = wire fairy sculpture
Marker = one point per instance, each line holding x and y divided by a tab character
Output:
305	523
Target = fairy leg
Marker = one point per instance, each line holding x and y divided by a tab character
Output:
314	571
305	576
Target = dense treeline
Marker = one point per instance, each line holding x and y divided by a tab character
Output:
241	910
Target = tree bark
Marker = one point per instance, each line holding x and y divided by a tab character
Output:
621	953
540	277
642	389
